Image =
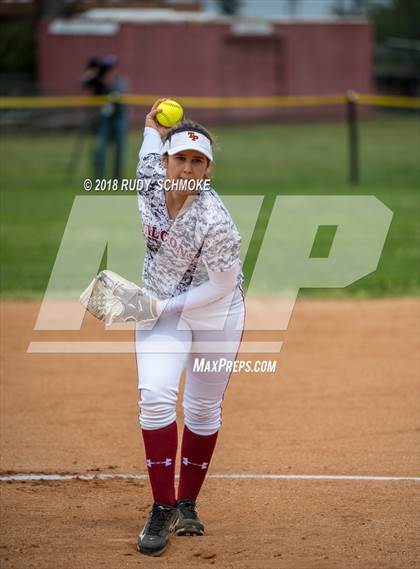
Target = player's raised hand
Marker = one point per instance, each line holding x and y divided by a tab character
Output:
151	118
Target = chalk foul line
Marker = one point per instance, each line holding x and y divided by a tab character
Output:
56	477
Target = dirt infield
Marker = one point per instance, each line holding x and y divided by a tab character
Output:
343	401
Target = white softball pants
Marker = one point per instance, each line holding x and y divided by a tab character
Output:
212	332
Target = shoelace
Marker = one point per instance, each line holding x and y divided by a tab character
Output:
188	509
158	519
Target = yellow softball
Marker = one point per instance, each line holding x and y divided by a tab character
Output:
170	113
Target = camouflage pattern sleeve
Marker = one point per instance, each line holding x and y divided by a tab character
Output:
221	247
150	168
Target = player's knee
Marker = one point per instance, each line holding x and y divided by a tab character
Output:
156	409
203	418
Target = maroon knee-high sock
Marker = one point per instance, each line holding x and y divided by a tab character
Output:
196	453
160	446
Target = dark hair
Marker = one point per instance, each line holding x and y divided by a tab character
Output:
102	64
185	125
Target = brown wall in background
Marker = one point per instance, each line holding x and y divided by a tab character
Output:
196	59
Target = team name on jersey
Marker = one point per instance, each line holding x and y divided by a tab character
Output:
163	235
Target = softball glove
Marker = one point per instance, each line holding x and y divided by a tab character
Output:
112	298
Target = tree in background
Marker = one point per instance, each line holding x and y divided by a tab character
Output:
293	7
397	47
401	19
392	18
352	7
397	41
229	7
18	38
17	47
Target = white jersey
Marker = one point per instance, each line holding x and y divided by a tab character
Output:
180	250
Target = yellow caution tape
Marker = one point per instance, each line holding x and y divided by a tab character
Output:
390	101
47	102
244	102
212	102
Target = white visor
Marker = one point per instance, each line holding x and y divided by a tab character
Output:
188	140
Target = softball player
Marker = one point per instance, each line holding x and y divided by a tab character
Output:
190	309
192	259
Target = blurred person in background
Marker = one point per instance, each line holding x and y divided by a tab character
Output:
110	123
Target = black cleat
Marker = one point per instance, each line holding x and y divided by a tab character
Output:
154	537
188	523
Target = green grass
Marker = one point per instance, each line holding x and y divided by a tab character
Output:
264	159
